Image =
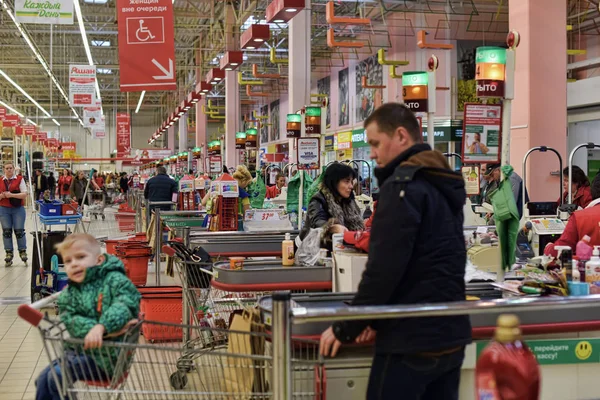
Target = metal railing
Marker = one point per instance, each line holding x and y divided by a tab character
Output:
284	316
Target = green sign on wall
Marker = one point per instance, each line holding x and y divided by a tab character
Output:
359	138
561	351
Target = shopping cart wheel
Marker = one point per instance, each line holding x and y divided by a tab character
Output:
178	380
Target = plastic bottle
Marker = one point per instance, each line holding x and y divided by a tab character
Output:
575	270
592	267
583	249
287	251
507	369
565	256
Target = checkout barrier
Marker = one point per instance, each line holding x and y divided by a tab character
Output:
283	316
244	244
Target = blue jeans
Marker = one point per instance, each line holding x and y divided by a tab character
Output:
415	377
78	366
13	219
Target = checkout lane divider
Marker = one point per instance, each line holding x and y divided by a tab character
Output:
284	316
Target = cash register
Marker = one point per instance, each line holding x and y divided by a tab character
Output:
546	227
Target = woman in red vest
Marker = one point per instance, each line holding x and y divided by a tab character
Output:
64	184
12	213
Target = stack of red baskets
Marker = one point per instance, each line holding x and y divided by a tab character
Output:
126	218
135	255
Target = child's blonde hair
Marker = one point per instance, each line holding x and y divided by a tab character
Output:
242	175
66	244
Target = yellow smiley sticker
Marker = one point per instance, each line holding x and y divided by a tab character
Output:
583	350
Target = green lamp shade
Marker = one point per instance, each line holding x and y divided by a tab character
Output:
296	117
313	111
414	78
490	54
251	132
240	135
196	149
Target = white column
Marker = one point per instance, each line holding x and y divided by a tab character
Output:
299	66
183	133
171	138
232	121
201	126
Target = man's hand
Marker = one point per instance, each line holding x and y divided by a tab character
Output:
329	345
366	336
93	339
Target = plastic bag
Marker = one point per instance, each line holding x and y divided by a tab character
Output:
257	191
293	192
308	251
506	216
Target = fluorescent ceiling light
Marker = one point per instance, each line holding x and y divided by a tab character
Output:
31	122
11	109
57	124
290	10
24	93
41	59
140	101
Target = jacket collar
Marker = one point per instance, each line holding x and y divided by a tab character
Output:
383	173
593	203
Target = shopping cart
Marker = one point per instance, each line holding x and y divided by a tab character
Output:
96	204
237	368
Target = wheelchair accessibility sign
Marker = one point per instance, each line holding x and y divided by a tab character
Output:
145	30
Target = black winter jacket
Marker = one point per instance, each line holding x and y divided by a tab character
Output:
317	214
160	188
417	254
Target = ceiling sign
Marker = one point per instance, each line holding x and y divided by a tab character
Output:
146	45
123	135
44	12
82	85
92	118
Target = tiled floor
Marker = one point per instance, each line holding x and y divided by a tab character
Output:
22	356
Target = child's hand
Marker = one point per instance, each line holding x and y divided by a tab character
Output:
93	339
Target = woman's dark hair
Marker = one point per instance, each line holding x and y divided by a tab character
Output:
579	177
334	174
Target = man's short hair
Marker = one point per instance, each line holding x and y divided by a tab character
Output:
161	170
596	187
70	240
391	116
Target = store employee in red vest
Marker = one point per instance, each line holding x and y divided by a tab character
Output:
12	212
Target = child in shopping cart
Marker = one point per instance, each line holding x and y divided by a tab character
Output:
99	301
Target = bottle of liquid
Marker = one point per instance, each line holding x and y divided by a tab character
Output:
507	369
583	249
287	251
592	267
565	257
576	275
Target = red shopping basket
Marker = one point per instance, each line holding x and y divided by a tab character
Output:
163	304
126	221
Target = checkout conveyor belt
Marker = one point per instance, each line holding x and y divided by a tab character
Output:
246	244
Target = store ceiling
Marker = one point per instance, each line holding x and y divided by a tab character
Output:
200	37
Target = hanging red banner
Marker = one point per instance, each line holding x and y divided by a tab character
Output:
40	137
146	45
2	113
123	135
11	121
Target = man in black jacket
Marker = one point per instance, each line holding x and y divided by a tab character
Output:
160	188
41	184
416	255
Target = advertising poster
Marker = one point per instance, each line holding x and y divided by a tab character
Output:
324	87
344	100
92	118
308	153
482	133
68	149
274	120
9	126
44	12
82	85
39	137
123	135
471	175
367	99
98	134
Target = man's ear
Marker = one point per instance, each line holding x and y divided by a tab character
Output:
101	259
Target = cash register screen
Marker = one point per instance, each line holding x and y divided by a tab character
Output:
542	208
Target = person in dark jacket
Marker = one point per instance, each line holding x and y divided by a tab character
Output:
160	187
41	183
78	186
417	255
333	207
51	184
124	183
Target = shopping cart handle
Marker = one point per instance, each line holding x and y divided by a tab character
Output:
168	250
31	312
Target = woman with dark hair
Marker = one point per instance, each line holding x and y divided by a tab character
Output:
580	188
333	207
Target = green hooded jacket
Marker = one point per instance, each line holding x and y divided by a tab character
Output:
106	296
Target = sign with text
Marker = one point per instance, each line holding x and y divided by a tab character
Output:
123	135
98	134
482	137
82	85
308	153
2	113
146	45
260	215
44	11
92	118
68	149
471	175
39	137
27	130
344	140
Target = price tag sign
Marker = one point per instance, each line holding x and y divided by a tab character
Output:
263	215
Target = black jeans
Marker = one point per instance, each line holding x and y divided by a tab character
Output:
415	377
